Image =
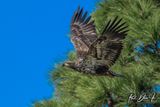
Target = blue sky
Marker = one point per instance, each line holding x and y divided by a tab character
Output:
33	37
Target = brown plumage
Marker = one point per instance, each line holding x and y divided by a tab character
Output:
83	32
95	54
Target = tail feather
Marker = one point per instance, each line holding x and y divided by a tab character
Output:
114	74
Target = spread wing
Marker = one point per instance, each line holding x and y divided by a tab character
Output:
83	32
108	47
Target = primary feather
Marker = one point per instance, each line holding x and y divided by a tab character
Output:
83	32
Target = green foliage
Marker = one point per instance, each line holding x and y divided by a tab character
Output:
74	89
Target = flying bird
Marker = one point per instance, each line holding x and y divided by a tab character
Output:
95	53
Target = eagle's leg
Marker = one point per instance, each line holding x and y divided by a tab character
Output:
99	72
103	70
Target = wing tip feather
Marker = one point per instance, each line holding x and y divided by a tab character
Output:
81	16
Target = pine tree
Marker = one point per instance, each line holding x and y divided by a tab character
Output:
139	61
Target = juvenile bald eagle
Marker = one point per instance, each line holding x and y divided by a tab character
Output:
95	54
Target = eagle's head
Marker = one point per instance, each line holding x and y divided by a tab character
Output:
69	64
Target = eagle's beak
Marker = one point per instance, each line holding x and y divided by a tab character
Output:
65	64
